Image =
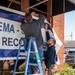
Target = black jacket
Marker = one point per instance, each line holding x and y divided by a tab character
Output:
33	29
50	55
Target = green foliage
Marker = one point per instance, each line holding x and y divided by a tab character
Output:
67	70
67	66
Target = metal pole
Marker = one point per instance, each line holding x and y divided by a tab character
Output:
36	4
63	5
71	35
9	4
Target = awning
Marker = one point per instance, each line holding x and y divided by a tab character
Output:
62	6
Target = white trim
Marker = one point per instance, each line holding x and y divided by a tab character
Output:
12	10
72	1
11	58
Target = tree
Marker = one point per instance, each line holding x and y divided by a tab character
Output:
67	70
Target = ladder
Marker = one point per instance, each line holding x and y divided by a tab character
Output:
26	54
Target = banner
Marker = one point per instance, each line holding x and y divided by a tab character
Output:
10	31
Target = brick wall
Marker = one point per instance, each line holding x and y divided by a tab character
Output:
58	26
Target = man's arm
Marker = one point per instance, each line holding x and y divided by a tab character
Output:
41	18
22	26
47	35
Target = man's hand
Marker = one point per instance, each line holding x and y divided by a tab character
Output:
34	14
46	27
46	73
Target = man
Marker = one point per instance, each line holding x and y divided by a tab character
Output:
33	29
50	54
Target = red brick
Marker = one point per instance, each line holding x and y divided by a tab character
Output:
58	26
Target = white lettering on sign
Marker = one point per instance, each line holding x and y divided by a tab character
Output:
10	34
6	27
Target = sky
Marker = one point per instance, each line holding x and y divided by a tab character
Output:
69	25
